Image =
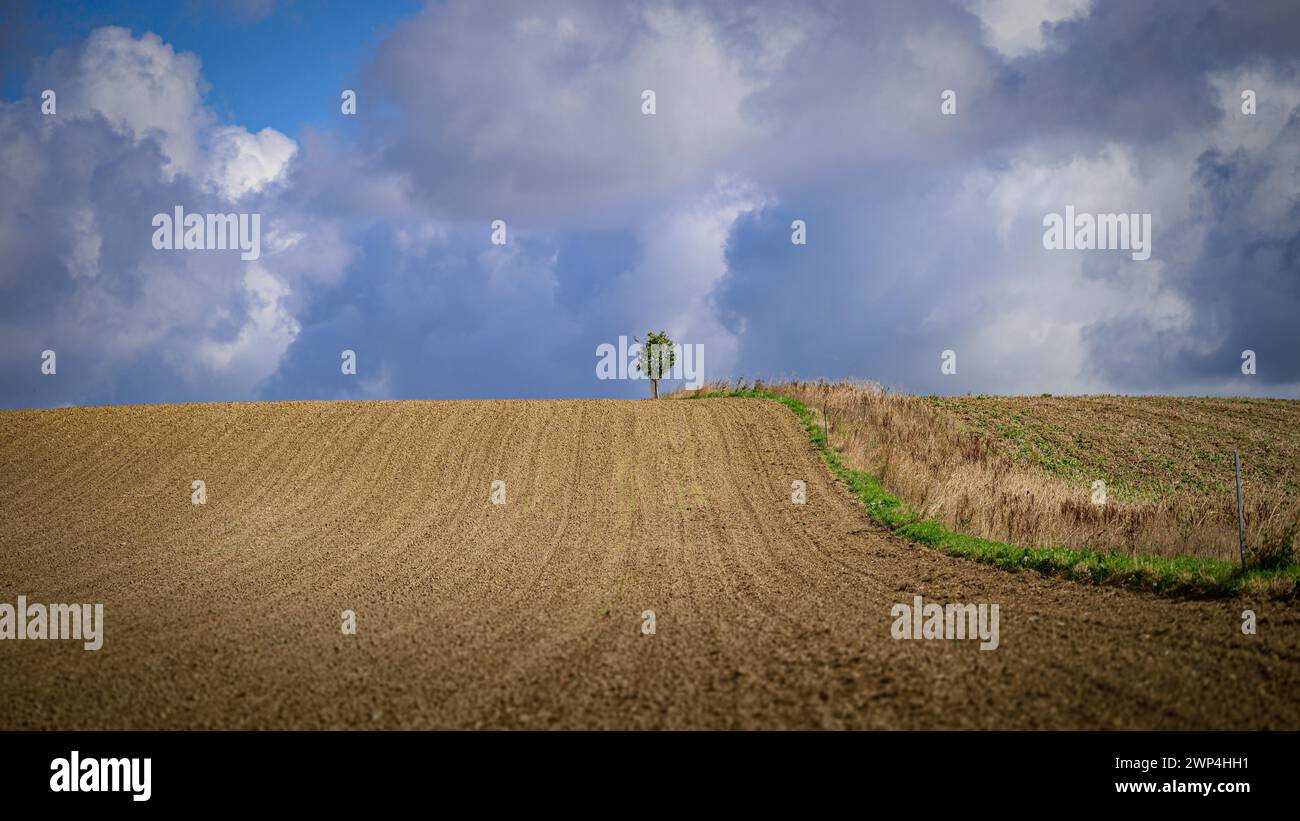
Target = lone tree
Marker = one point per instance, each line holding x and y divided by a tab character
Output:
656	358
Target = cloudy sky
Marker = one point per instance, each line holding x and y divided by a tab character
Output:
924	229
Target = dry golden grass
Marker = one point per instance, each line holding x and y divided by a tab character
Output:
1021	469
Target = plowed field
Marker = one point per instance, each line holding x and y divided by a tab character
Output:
528	614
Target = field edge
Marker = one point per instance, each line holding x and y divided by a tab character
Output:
1184	576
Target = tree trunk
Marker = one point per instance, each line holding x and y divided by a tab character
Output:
654	388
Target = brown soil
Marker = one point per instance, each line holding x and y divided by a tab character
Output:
768	614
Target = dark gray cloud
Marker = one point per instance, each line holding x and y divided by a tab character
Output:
1244	287
1139	72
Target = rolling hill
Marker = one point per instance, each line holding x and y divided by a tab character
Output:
532	613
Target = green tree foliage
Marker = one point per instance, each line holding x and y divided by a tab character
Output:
656	359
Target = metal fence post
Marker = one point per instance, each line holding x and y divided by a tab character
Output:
1241	516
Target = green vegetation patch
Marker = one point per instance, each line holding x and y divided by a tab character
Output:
1183	575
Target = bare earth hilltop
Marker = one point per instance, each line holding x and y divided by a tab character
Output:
528	614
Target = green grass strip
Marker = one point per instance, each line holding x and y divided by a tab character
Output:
1179	575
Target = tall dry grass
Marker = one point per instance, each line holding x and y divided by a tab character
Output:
973	484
